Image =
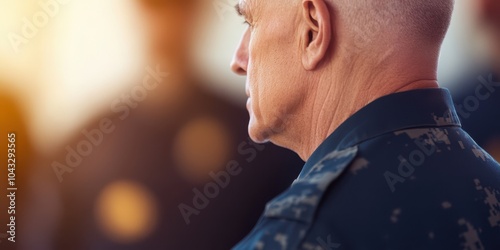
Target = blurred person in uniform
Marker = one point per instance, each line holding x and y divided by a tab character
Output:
173	171
477	92
350	86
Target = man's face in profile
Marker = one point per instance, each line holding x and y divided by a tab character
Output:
269	56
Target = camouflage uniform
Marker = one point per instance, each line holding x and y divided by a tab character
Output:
398	174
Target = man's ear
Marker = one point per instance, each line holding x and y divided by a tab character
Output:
316	32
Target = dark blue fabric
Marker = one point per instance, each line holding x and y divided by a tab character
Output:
398	174
477	100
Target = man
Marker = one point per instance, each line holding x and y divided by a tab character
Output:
476	102
350	86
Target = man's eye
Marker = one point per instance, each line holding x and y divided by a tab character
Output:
247	23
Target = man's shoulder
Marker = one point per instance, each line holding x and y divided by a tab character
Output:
425	155
414	184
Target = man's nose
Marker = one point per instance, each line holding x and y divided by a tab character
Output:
240	58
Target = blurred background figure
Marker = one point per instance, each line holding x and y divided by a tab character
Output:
477	90
176	170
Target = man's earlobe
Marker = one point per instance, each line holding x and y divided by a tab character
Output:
316	32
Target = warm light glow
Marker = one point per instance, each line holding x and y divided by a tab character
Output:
126	212
493	147
202	146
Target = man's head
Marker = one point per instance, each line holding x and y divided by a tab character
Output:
171	26
301	56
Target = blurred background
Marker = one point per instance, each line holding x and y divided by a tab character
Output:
69	66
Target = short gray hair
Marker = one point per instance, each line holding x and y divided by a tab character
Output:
423	20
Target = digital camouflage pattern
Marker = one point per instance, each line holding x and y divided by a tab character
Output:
400	173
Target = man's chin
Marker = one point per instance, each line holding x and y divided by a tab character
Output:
257	133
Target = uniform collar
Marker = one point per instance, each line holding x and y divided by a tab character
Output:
394	112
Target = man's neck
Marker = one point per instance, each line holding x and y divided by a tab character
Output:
345	86
333	105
